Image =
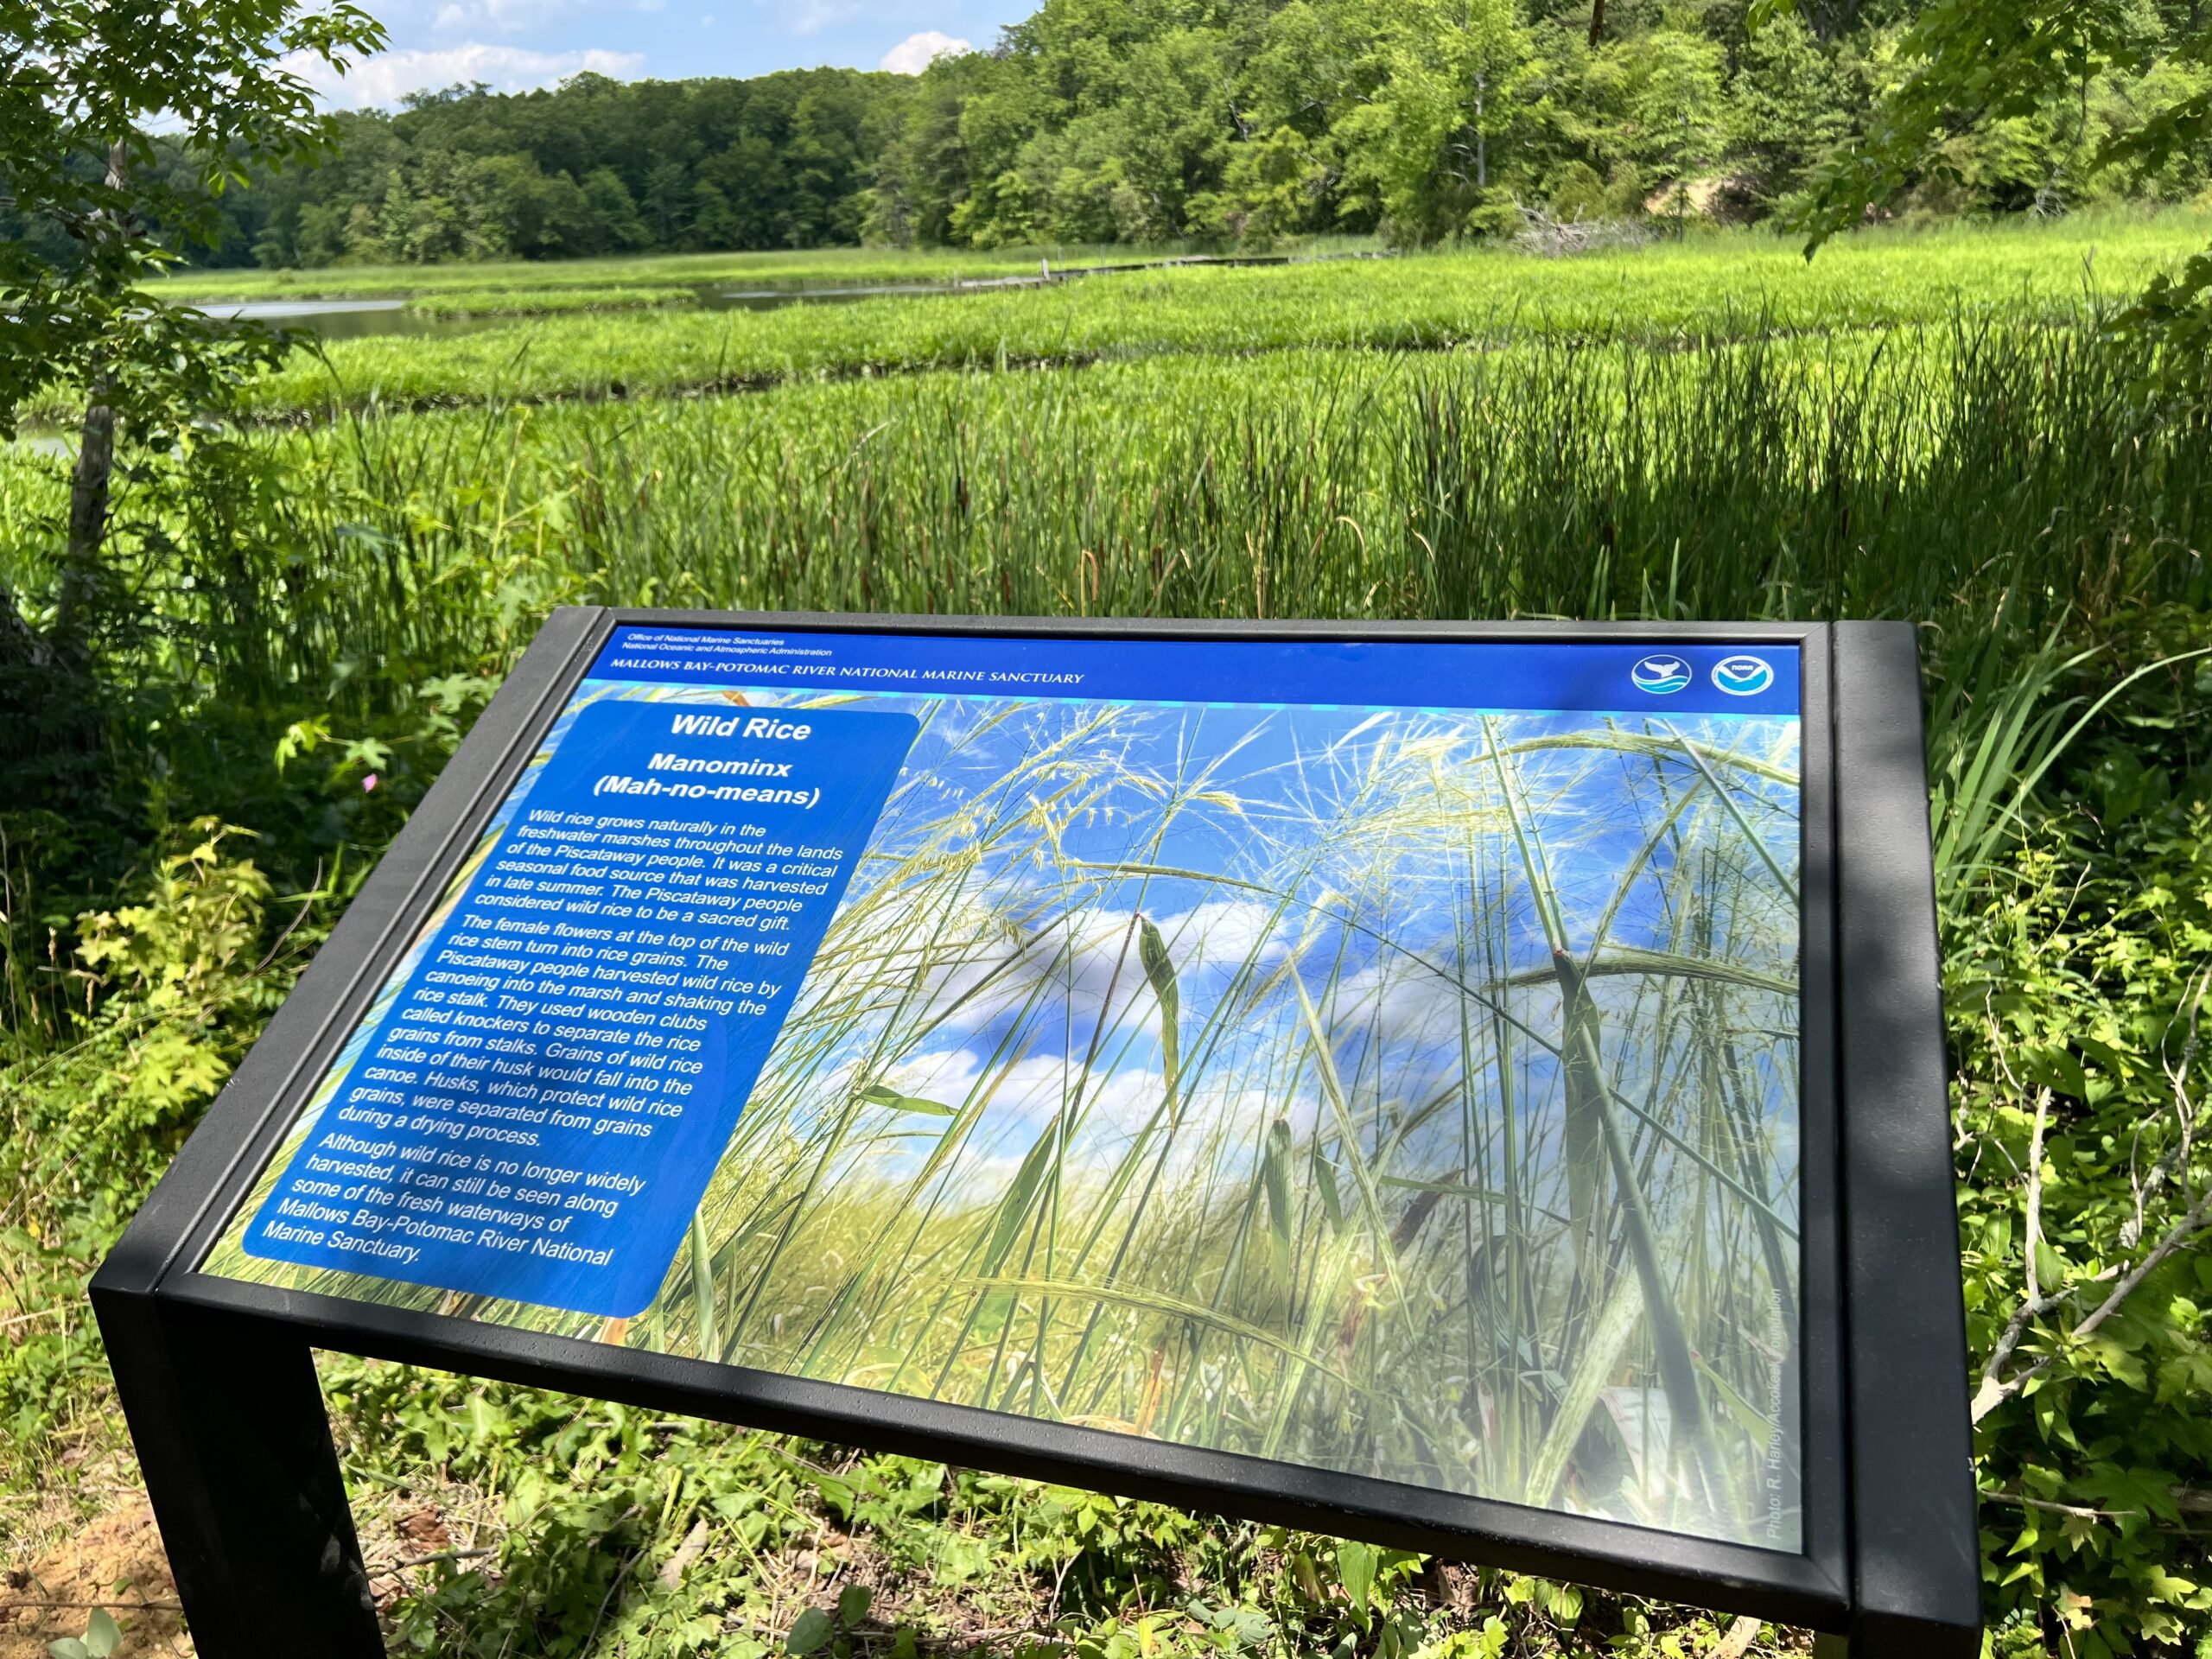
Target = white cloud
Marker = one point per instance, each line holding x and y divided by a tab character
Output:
507	17
812	16
917	52
387	78
513	16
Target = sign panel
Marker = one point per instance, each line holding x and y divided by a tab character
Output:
535	1114
1380	1056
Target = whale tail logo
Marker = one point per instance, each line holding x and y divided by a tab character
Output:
1742	677
1660	676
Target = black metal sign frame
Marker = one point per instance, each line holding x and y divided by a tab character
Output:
216	1377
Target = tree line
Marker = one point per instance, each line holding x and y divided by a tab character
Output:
1234	120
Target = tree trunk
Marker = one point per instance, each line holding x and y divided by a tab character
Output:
88	485
88	493
1481	143
1597	23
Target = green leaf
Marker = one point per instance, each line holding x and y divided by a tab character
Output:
853	1604
813	1628
68	1648
876	1094
1275	1175
1355	1567
1324	1181
703	1287
2050	1267
102	1635
1014	1209
2056	1070
1160	971
1563	1602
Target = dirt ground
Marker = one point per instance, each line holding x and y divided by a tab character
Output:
113	1561
60	1569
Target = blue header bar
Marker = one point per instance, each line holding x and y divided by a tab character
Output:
1632	677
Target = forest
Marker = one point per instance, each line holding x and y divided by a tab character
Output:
1228	121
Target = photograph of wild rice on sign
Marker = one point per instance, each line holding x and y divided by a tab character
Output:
1409	1092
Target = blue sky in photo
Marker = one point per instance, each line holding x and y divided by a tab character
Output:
1290	771
1294	773
515	45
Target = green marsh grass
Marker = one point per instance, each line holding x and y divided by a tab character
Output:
816	266
1724	290
1927	474
1987	479
522	302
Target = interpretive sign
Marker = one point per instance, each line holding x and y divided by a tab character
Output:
1478	1088
534	1113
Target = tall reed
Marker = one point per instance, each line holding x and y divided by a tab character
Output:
1944	474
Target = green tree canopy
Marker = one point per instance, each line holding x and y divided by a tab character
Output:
83	86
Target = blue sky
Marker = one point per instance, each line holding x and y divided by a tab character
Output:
515	45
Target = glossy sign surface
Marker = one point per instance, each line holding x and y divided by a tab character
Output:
1381	1056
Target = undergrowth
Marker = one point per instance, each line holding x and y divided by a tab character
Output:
570	1527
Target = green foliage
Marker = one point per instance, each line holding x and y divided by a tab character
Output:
85	81
170	992
533	302
1965	77
2076	984
1449	80
791	268
1250	120
1930	477
1991	101
673	1538
102	1637
592	168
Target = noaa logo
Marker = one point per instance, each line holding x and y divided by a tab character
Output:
1660	676
1742	677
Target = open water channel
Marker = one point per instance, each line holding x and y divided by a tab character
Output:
350	319
340	319
355	319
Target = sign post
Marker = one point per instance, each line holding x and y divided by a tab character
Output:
1475	1088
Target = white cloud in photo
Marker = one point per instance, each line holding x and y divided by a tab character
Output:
384	80
977	970
917	52
1029	1093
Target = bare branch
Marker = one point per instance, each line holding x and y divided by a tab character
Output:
2081	1511
1992	1394
2034	1305
2034	1191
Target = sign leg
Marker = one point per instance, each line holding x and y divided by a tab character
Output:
234	1443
